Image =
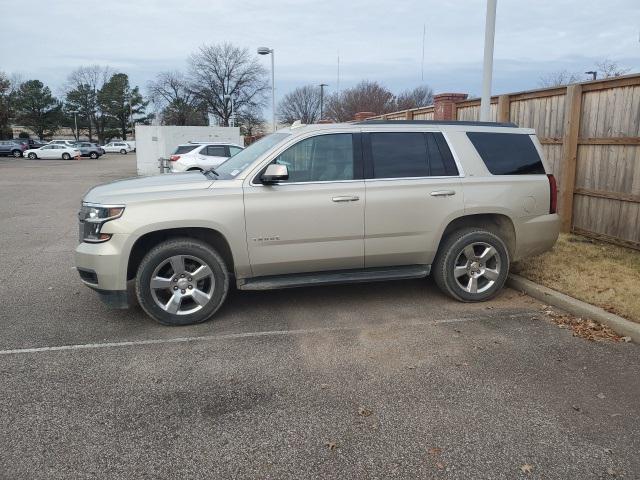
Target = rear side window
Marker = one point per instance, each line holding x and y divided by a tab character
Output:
410	154
507	153
215	151
184	149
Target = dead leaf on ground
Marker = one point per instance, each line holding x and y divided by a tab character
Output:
601	396
625	339
526	468
576	408
584	328
434	451
324	385
440	466
331	445
364	412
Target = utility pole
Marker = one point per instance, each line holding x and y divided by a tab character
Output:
424	33
487	68
322	85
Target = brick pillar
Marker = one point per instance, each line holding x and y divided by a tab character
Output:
363	116
444	105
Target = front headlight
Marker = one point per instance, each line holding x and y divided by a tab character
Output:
92	217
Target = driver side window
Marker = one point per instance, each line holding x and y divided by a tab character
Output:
323	158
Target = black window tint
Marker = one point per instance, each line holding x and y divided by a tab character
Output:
320	159
398	155
441	162
182	149
215	151
507	153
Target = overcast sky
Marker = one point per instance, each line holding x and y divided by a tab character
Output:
376	40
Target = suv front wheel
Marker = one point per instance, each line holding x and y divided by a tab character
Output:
182	282
472	265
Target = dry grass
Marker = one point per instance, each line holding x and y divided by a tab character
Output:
596	272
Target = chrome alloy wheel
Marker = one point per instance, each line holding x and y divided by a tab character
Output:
477	267
182	284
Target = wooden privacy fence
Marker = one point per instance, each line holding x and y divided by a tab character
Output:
590	135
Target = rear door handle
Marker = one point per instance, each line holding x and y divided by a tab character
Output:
442	193
345	198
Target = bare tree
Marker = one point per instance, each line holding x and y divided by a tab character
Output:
301	104
216	71
251	121
421	96
607	68
367	96
176	103
81	95
559	78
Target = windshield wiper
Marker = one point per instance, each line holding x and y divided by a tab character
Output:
211	171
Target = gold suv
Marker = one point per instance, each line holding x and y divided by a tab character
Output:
323	204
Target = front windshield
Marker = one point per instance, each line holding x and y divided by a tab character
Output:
241	160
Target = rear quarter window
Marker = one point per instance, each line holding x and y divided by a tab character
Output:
184	149
507	153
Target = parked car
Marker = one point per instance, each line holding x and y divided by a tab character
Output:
88	149
14	148
200	156
323	204
65	143
132	144
53	151
117	147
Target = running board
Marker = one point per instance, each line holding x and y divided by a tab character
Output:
334	277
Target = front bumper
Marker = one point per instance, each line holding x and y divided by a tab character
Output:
106	261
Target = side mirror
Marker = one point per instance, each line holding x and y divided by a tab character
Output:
275	173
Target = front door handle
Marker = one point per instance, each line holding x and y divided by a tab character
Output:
345	198
442	193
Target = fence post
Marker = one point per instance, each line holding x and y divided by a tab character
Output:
573	101
504	113
409	115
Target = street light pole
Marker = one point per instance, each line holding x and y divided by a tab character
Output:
487	69
267	51
75	122
232	117
322	85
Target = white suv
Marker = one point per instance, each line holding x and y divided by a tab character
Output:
322	204
200	156
117	147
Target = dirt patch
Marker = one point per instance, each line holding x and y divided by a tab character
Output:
599	273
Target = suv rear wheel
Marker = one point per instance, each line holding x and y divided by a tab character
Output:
93	155
182	282
472	265
16	153
123	151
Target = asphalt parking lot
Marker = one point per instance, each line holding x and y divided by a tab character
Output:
385	380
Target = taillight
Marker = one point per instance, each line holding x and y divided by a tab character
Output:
173	158
553	194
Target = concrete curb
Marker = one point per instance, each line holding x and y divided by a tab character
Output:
576	307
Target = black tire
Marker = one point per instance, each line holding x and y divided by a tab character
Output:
123	151
66	156
93	155
16	153
451	254
191	248
32	156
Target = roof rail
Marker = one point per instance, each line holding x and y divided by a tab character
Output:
436	122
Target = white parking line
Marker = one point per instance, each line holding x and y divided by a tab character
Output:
208	338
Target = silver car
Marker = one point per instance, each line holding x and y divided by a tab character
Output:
323	204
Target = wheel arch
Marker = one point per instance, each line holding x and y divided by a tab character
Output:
149	240
497	223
